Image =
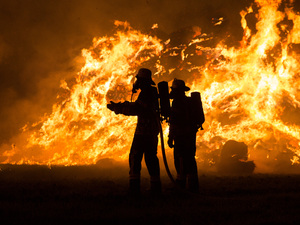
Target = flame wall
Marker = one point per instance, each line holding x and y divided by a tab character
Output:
250	90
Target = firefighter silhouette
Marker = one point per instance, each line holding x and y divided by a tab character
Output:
146	134
182	135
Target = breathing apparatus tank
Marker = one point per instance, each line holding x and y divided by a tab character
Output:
197	111
164	100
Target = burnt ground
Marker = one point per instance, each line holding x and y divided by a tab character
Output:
93	195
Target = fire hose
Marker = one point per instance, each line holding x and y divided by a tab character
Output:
164	114
161	134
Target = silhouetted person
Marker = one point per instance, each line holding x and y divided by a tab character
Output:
145	138
182	136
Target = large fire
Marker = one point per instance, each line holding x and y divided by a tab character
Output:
250	93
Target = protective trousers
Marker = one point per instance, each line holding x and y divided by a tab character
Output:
185	163
144	145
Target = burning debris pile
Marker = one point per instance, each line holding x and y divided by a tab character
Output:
250	93
234	159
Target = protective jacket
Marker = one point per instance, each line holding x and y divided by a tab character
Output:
181	118
146	109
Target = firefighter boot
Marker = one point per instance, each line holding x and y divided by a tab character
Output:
181	181
155	186
134	187
193	183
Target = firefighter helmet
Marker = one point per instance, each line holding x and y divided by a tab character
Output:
145	74
179	85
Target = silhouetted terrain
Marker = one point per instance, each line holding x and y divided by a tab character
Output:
98	195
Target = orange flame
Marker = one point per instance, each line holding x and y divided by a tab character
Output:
247	92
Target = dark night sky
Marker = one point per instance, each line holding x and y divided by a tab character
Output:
41	42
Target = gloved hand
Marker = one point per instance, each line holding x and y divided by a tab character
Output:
171	142
116	107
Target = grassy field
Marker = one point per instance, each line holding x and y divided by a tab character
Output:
98	195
